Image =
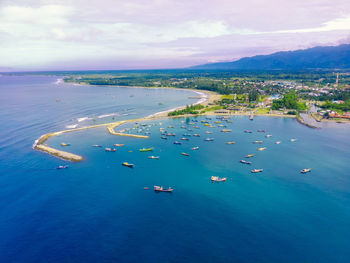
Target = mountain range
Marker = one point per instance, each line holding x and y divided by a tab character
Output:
323	57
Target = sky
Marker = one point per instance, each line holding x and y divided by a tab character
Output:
148	34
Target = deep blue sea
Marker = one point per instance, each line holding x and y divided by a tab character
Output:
98	210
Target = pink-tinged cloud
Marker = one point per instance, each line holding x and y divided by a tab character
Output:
109	34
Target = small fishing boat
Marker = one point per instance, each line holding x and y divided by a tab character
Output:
257	142
293	140
130	165
184	139
218	179
170	134
245	162
196	135
195	148
185	154
178	143
306	170
164	138
62	167
146	149
268	136
262	149
209	139
256	170
118	145
153	157
110	150
96	145
278	142
230	142
261	131
65	144
226	130
249	155
161	189
248	131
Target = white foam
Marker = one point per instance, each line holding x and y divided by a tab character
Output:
83	119
72	126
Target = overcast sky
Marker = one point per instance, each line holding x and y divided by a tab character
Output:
139	34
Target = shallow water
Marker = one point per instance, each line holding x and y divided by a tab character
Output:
98	211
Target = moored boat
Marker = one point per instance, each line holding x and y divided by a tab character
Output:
153	157
245	162
218	179
130	165
268	136
249	155
163	137
118	145
278	142
256	170
293	140
62	167
226	130
184	139
185	154
178	143
196	135
248	131
230	142
195	148
65	144
110	149
257	142
209	139
146	149
262	149
161	189
96	145
306	170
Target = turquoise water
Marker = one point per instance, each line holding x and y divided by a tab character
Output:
98	211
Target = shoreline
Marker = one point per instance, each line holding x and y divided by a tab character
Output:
206	98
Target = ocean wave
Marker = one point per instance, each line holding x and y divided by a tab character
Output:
107	115
83	119
72	126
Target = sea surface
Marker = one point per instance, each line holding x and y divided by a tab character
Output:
98	210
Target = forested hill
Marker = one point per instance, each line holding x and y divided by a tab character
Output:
330	57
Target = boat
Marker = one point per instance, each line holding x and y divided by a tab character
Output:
230	142
268	136
62	167
187	134
186	154
208	132
183	127
306	170
207	124
209	139
293	140
184	139
245	162
196	135
189	129
164	138
229	121
248	131
261	131
146	149
251	117
118	145
218	122
226	130
161	189
195	148
130	165
65	144
256	170
170	126
110	149
178	143
256	142
218	179
153	157
170	134
278	142
249	155
96	145
262	149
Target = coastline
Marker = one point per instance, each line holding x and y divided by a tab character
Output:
206	97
